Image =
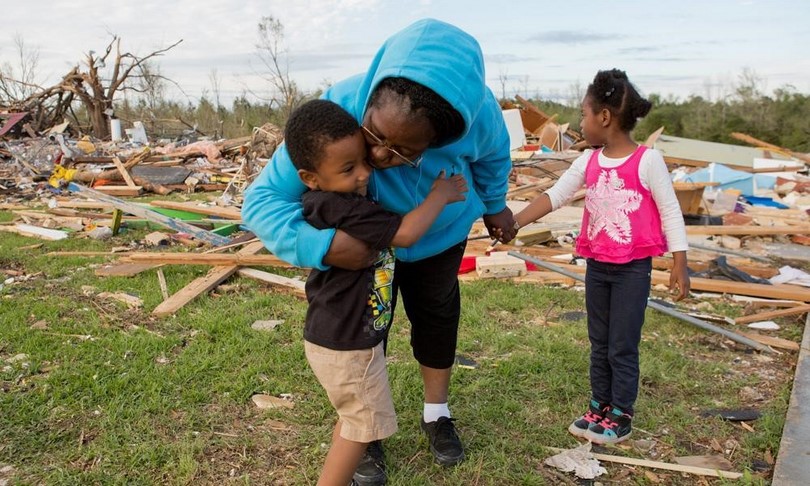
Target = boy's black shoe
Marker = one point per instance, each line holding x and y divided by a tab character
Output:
614	428
371	470
444	442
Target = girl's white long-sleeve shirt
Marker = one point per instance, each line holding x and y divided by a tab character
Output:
654	176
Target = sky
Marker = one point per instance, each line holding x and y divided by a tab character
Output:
549	50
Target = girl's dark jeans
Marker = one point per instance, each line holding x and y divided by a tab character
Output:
616	299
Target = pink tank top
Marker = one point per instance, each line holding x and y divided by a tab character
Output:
621	221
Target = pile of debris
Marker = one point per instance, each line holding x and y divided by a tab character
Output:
743	206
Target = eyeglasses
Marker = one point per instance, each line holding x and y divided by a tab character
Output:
375	140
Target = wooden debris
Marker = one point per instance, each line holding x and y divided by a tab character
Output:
240	258
203	284
772	341
499	265
747	230
153	216
296	285
759	143
120	190
124	172
702	471
764	316
232	214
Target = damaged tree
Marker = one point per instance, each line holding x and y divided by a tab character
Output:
50	106
273	54
89	87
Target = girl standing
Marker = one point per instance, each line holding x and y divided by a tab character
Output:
631	215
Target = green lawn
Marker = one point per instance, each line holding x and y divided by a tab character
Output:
92	392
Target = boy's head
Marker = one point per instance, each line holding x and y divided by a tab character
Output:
327	147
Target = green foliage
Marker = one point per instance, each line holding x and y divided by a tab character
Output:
782	119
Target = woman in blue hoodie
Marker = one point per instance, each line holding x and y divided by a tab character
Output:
424	108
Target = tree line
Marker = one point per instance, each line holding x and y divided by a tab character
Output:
781	118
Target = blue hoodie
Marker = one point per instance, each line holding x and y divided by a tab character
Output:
450	62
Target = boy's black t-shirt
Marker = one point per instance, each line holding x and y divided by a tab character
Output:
350	309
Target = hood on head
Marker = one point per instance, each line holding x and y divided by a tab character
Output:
437	55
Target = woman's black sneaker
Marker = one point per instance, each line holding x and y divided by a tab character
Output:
444	442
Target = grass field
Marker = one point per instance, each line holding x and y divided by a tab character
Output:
94	392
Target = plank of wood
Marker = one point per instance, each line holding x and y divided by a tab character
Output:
781	168
701	471
204	284
164	289
781	291
759	143
757	304
120	190
239	258
124	172
83	205
150	215
653	137
124	269
88	253
746	230
772	341
688	162
192	207
766	316
296	285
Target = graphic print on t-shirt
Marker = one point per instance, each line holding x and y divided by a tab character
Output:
609	204
380	298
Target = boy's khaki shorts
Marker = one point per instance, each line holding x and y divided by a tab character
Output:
357	385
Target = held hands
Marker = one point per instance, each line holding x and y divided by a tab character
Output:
451	189
501	226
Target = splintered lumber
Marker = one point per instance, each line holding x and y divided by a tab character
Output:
499	265
746	230
120	190
653	137
778	291
150	215
765	316
124	172
226	213
239	258
650	303
765	145
688	162
726	251
296	285
123	269
204	284
702	471
772	341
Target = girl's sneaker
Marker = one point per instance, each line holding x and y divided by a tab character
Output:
596	412
614	428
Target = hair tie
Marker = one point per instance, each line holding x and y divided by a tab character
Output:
610	92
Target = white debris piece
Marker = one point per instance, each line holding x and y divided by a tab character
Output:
764	325
579	460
